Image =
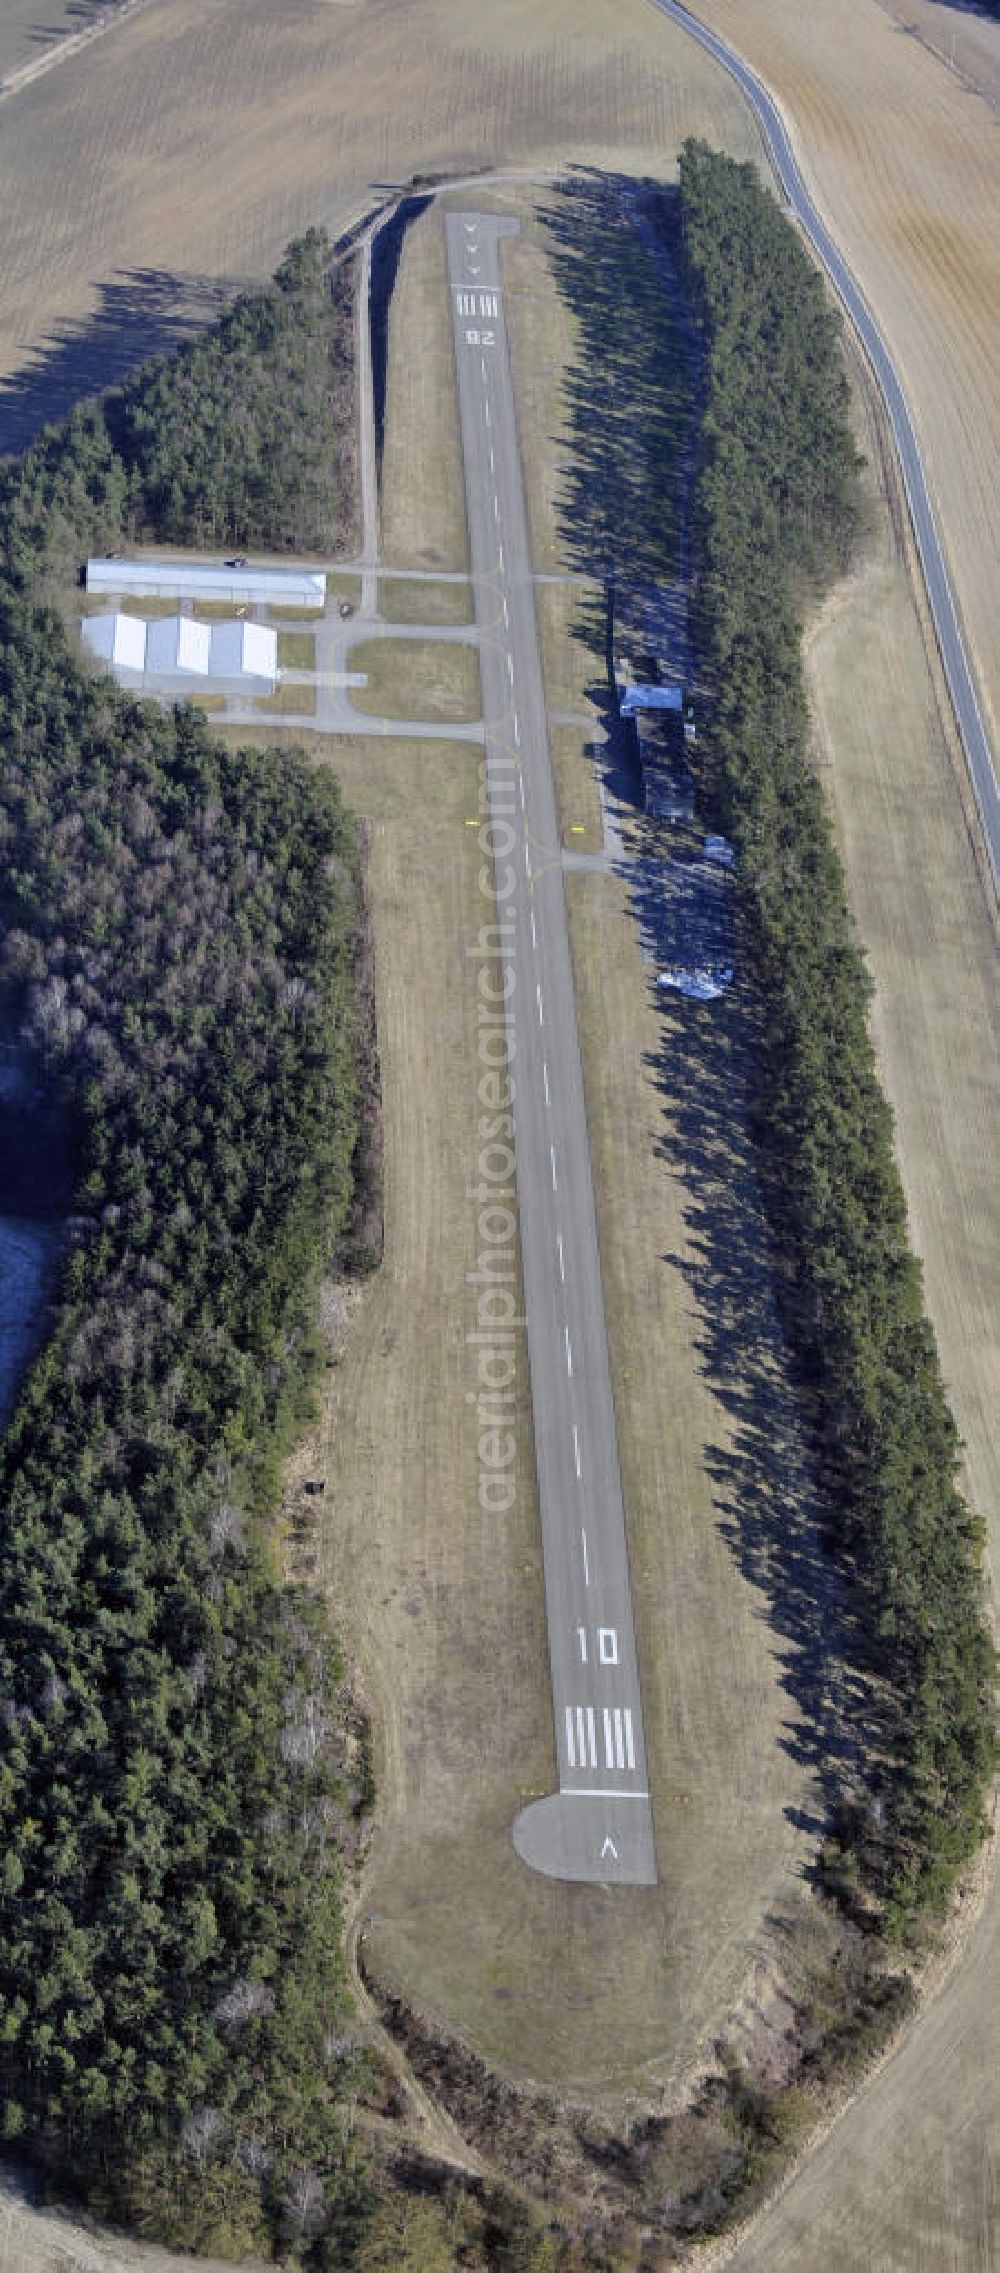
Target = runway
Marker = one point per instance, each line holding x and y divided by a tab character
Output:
951	644
598	1825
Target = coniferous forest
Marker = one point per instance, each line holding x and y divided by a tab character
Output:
177	1778
775	516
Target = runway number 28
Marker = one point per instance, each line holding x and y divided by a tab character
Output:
607	1645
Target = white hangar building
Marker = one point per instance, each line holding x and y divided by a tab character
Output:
177	647
244	651
119	641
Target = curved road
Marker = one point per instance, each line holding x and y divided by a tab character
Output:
957	669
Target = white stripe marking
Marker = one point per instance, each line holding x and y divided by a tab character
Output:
562	1263
586	1565
591	1737
506	613
570	1746
538	999
545	1070
527	861
517	737
510	669
496	507
581	1635
619	1746
629	1746
581	1735
574	1791
499	547
552	1157
492	460
569	1352
609	1750
576	1450
520	791
486	407
534	934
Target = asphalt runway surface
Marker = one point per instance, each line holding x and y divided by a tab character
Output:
598	1825
954	657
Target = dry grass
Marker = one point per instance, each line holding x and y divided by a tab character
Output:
296	651
291	701
578	798
424	601
422	492
435	679
910	2177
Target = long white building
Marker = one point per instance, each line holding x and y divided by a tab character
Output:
298	588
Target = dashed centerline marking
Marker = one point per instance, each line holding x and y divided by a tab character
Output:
562	1260
545	1070
576	1451
586	1562
520	785
541	1007
510	669
552	1159
534	934
569	1352
527	861
517	737
486	401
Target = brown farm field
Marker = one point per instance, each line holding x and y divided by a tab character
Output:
188	145
902	155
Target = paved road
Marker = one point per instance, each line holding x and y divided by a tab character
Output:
958	672
598	1826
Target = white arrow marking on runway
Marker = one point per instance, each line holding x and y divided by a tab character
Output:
609	1848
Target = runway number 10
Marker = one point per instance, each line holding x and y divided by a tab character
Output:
607	1645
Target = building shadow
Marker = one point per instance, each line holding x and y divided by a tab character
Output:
140	313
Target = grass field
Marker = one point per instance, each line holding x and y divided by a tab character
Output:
402	600
290	701
910	2177
433	679
421	491
296	651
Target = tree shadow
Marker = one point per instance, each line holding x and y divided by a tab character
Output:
141	312
387	248
626	507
